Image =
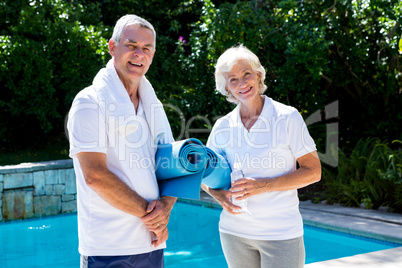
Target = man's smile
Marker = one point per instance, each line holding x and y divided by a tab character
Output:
135	64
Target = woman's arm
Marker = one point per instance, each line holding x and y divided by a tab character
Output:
308	173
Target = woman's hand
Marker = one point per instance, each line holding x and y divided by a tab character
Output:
223	198
246	187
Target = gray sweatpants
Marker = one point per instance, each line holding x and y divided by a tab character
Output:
242	252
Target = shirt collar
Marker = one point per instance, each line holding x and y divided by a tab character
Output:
267	112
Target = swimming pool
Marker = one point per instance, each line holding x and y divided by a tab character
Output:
193	241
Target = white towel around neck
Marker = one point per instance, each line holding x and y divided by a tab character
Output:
111	90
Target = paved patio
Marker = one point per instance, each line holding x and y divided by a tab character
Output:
369	223
390	258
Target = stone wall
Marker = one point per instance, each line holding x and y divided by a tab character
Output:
32	190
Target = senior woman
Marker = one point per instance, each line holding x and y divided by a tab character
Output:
265	139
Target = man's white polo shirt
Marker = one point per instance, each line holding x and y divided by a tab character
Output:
270	149
116	130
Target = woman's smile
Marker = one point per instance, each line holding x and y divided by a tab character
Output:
247	90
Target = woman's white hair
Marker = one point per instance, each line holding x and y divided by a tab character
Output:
128	20
226	62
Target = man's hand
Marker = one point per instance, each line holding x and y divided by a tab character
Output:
161	236
158	214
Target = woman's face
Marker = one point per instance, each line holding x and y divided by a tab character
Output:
242	82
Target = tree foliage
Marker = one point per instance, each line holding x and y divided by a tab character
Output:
314	52
47	55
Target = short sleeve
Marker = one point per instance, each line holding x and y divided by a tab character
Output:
86	128
300	141
213	140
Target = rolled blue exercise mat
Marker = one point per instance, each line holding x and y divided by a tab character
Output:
180	168
217	172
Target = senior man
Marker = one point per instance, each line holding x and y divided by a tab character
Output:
114	127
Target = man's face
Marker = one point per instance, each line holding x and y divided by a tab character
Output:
133	54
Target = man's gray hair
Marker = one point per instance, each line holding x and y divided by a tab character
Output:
128	20
225	63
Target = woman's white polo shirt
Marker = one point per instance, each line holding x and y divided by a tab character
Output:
269	149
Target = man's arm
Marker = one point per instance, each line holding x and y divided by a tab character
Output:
108	186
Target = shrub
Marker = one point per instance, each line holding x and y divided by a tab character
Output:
47	56
371	176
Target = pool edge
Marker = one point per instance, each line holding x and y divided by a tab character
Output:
355	221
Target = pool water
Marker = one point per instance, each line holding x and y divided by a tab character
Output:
189	223
193	241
